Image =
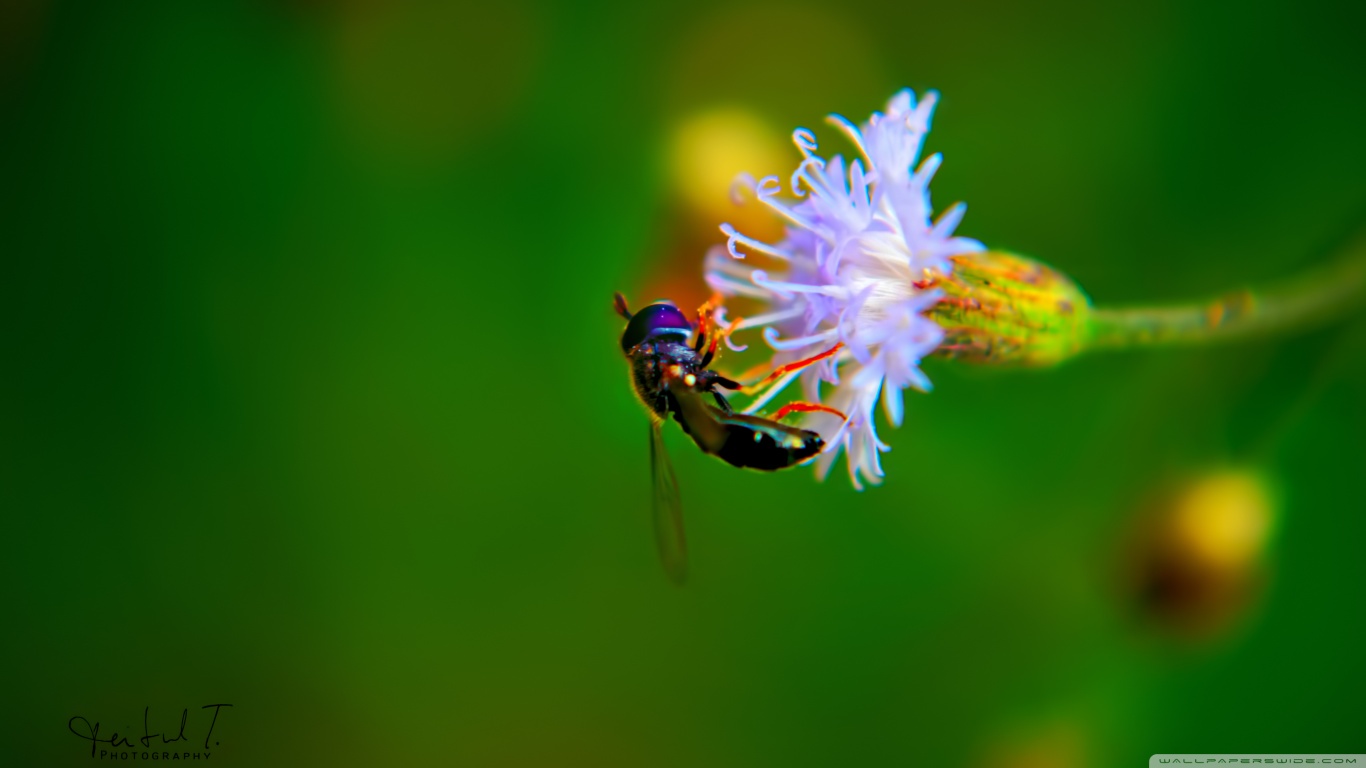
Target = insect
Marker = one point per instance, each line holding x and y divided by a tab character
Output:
671	378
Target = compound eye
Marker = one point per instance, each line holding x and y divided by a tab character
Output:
657	320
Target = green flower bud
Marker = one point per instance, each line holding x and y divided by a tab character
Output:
1001	308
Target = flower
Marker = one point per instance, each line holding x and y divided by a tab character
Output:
856	267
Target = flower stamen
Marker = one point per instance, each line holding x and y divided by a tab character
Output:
851	132
734	238
801	342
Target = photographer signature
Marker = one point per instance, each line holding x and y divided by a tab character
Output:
82	728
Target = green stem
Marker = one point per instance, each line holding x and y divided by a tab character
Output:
1316	296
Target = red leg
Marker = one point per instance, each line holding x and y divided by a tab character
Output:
783	370
700	341
704	315
750	373
717	337
805	407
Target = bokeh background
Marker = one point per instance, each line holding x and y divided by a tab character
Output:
311	401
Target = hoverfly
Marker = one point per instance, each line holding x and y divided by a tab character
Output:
672	379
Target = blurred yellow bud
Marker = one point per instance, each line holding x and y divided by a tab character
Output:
1198	554
709	151
1224	519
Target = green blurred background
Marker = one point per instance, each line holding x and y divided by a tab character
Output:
311	400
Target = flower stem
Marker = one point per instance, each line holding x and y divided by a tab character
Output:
1318	295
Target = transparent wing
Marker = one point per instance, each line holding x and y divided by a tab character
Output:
668	510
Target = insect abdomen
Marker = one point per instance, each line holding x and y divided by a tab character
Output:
764	444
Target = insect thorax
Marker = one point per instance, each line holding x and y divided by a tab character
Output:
650	362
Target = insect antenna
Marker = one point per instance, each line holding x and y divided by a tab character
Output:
619	302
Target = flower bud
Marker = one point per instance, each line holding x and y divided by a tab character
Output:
1199	551
1000	308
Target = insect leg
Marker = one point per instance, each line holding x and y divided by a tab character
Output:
783	370
805	407
722	402
705	325
711	348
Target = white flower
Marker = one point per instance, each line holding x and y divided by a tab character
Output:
857	242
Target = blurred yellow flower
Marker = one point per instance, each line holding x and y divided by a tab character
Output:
706	154
1224	519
